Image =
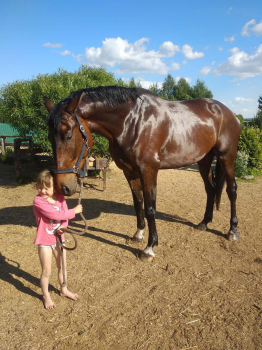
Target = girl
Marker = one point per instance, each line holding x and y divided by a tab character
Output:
51	214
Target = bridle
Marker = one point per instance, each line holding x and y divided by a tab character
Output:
75	168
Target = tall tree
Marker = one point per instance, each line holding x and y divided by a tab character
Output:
200	90
22	101
241	119
167	91
260	103
182	90
258	118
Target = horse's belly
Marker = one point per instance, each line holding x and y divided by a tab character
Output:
180	158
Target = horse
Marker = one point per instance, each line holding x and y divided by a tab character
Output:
146	134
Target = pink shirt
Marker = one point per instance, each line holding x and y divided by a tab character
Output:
49	217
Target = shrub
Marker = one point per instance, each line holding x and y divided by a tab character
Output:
22	101
8	156
241	164
250	142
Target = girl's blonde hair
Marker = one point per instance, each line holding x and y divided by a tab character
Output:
44	179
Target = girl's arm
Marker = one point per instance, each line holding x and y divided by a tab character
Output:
49	212
64	206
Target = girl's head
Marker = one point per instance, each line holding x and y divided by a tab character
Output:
44	184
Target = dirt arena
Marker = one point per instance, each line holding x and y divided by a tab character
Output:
200	292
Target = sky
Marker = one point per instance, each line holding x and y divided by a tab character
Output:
218	42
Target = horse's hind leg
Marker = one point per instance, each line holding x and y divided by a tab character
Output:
227	163
137	193
206	172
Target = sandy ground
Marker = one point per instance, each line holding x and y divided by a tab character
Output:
200	292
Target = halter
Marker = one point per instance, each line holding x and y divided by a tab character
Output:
75	168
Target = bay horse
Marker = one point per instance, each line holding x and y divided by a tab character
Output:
147	133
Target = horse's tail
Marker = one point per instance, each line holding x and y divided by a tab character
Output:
219	183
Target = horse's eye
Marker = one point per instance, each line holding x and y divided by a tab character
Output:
69	136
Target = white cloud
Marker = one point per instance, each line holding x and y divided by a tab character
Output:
230	9
175	66
52	45
189	54
231	39
239	106
245	29
146	84
184	62
220	48
234	50
168	49
65	53
205	70
243	99
188	80
131	57
257	29
241	65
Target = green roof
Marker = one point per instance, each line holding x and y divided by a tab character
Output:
7	129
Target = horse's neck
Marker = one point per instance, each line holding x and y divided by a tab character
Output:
107	121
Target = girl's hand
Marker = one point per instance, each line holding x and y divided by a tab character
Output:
78	209
59	231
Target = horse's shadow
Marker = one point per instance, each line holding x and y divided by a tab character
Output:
10	271
92	209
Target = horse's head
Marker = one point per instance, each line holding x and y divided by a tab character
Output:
69	143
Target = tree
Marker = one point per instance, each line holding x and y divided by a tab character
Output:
167	91
241	119
182	90
257	120
200	90
154	89
260	103
22	101
133	84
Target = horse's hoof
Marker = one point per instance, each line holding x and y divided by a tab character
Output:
232	235
202	227
146	257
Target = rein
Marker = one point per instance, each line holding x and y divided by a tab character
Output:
73	233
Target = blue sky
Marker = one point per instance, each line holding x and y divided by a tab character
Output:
218	42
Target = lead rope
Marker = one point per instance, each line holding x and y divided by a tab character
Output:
73	233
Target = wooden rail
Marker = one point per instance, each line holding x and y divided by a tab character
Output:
15	137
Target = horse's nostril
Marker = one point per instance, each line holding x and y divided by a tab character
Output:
65	190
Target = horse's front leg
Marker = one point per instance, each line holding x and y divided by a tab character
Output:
149	183
137	193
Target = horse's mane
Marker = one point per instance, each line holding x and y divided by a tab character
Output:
112	95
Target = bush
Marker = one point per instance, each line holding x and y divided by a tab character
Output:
22	101
8	156
100	147
241	164
250	143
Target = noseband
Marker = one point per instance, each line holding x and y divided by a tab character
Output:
75	168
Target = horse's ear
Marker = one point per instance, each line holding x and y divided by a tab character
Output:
48	104
74	104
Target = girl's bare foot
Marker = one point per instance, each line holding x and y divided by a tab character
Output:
48	302
66	293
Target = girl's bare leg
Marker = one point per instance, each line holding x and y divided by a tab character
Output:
45	256
64	291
